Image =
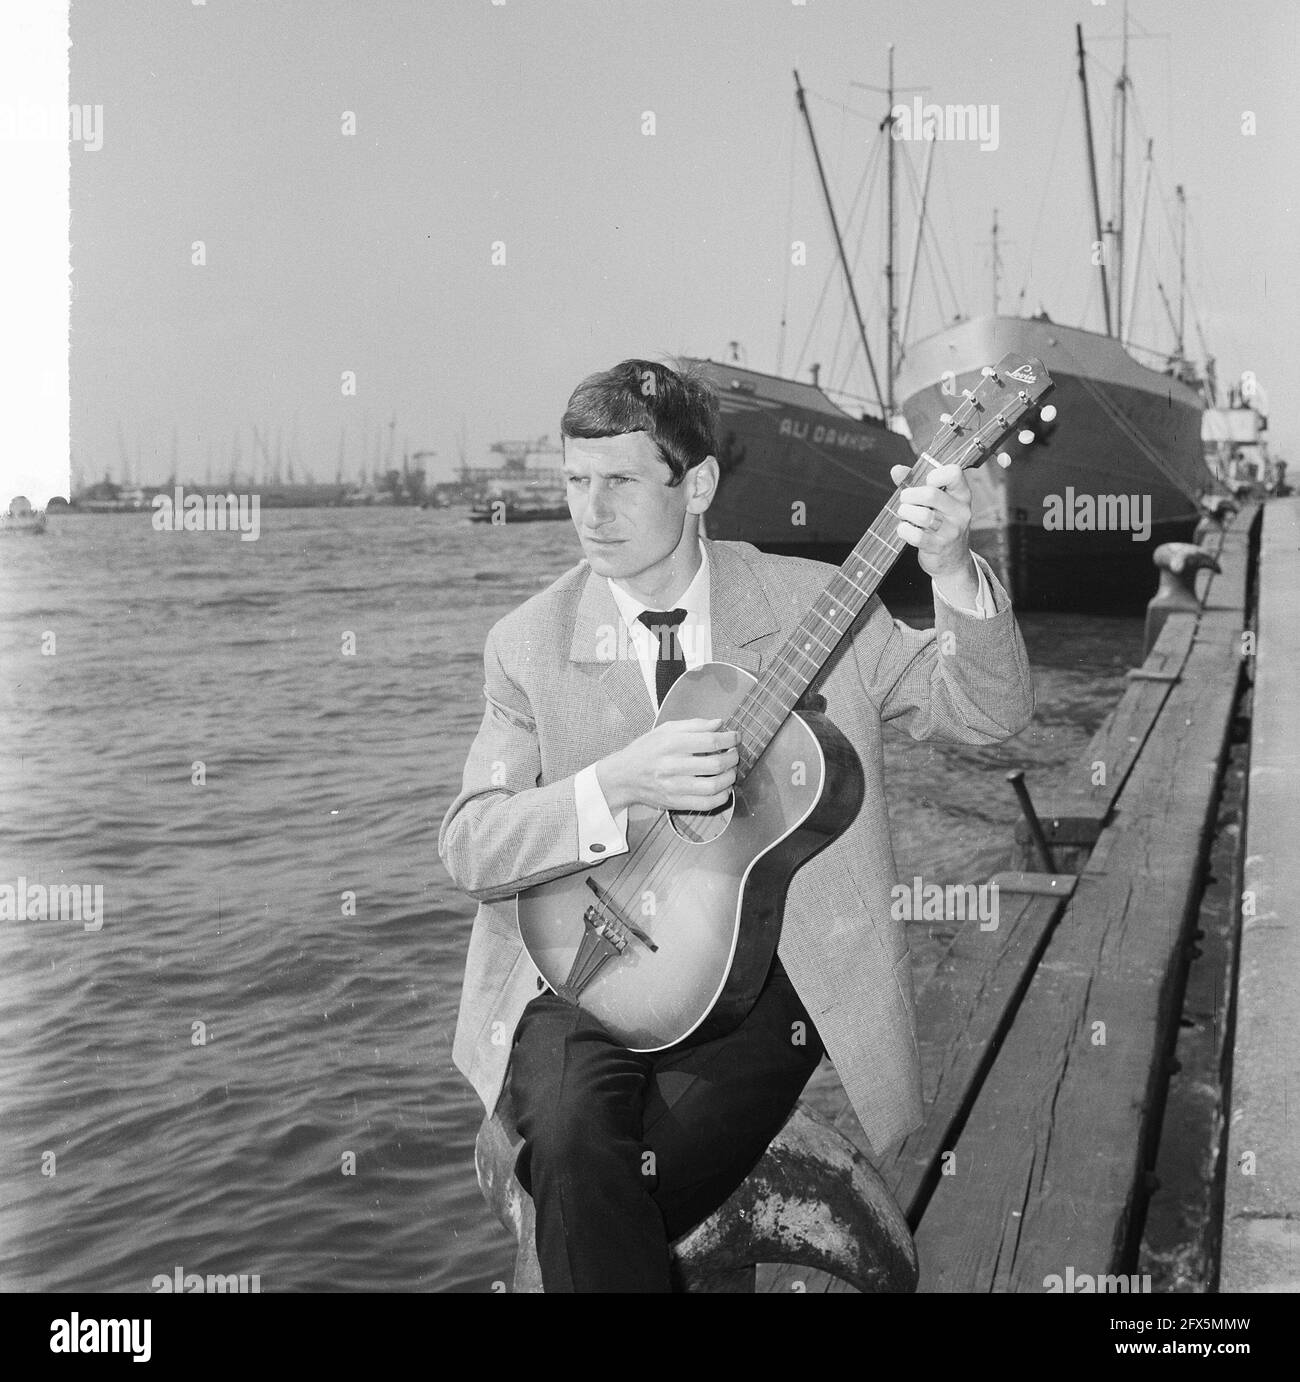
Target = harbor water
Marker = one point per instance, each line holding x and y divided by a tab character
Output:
250	746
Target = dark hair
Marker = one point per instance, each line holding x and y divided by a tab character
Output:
677	408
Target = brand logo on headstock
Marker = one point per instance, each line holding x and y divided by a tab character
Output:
1023	375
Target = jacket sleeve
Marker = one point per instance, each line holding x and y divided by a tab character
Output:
504	832
965	681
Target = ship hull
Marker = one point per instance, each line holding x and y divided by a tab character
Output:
801	477
1073	523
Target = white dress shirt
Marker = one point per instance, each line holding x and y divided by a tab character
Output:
601	832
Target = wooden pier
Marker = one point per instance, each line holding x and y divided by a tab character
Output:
1046	1043
1261	1220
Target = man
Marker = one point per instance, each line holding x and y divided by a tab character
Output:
624	1151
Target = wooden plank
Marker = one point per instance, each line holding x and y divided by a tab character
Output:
1049	1166
962	1013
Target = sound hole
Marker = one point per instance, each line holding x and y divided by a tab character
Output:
698	827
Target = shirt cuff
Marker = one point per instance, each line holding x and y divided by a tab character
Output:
983	598
600	832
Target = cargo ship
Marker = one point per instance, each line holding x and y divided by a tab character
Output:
800	475
1073	522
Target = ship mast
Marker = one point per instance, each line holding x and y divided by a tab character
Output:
916	251
1182	263
889	245
839	245
1137	254
1092	174
1119	151
893	338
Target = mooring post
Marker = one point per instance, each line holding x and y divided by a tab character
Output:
1217	511
1178	563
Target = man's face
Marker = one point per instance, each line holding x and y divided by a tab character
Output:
628	517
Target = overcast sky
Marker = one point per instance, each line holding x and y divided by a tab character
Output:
523	123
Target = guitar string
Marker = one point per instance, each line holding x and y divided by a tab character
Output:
668	858
754	706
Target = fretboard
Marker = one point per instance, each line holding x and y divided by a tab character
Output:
821	630
977	425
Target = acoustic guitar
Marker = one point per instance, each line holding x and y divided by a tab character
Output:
674	938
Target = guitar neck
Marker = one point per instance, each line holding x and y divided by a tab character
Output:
794	668
976	427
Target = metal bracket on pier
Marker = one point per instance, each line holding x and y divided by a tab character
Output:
1141	674
1017	779
1037	884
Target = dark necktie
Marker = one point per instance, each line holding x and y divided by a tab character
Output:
669	663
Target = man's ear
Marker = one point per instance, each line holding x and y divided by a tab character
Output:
703	480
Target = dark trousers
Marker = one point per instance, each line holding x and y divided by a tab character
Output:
624	1152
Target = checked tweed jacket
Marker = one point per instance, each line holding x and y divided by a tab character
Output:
553	707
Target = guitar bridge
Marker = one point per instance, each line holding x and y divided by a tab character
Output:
604	936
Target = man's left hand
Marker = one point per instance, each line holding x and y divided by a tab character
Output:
936	521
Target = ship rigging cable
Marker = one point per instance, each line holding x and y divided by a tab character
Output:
872	305
931	251
1066	102
789	242
1140	123
867	171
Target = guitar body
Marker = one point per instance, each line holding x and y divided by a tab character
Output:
705	889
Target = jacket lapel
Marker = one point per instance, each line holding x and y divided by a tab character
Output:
739	615
739	612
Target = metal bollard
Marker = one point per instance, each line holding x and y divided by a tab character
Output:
1217	510
1178	563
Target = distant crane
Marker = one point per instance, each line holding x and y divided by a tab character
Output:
516	453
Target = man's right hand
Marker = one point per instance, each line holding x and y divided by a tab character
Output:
680	765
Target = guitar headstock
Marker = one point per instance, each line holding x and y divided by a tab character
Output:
988	414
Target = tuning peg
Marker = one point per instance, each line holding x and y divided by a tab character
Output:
1048	413
989	372
1024	437
945	418
1003	459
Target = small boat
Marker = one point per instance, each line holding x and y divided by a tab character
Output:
517	509
20	517
528	488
